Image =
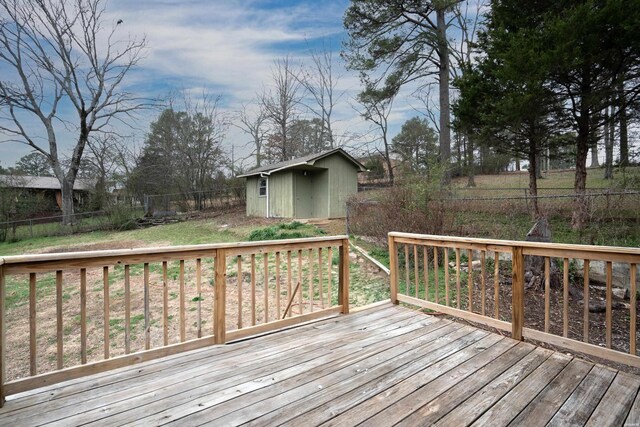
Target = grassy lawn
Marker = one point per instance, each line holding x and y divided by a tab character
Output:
630	177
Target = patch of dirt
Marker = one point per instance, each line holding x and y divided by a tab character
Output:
196	307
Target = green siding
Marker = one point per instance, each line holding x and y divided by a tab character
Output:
303	203
256	205
342	183
281	195
319	194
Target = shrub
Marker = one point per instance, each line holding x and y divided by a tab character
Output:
415	205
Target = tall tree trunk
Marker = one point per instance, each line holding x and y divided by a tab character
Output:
595	163
624	137
580	210
517	164
471	182
533	178
443	76
608	145
66	188
538	166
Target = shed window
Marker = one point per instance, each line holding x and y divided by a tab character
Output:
262	187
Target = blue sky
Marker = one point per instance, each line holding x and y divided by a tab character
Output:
227	48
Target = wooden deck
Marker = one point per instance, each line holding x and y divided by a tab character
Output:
382	366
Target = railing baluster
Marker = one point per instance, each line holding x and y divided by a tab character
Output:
416	276
253	289
425	262
436	279
320	284
585	320
239	283
329	272
3	335
565	298
311	286
145	301
59	336
127	310
278	295
289	294
446	274
517	298
83	316
547	293
483	280
183	330
165	303
147	321
458	291
609	298
33	370
406	269
343	279
199	292
496	285
633	271
214	302
107	317
300	302
470	279
221	296
393	270
265	259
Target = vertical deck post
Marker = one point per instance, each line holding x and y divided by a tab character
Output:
343	277
393	271
517	294
220	326
2	337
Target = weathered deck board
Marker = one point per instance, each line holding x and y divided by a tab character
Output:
382	366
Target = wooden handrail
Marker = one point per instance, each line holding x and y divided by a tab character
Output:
71	268
516	251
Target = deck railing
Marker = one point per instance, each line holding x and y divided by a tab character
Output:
439	273
67	315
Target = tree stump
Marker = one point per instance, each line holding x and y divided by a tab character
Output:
534	265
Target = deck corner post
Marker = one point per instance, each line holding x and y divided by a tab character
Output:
3	334
343	277
393	269
220	326
517	294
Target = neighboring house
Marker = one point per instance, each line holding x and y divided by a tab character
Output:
313	186
47	187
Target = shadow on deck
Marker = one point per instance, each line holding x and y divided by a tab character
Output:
380	366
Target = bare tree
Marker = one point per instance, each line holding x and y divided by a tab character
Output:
281	105
376	109
254	124
58	53
103	162
321	80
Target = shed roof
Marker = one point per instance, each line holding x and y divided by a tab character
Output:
41	182
307	160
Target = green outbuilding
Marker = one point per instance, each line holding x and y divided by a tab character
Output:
313	186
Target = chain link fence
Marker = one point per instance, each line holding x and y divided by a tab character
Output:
613	216
52	226
218	199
